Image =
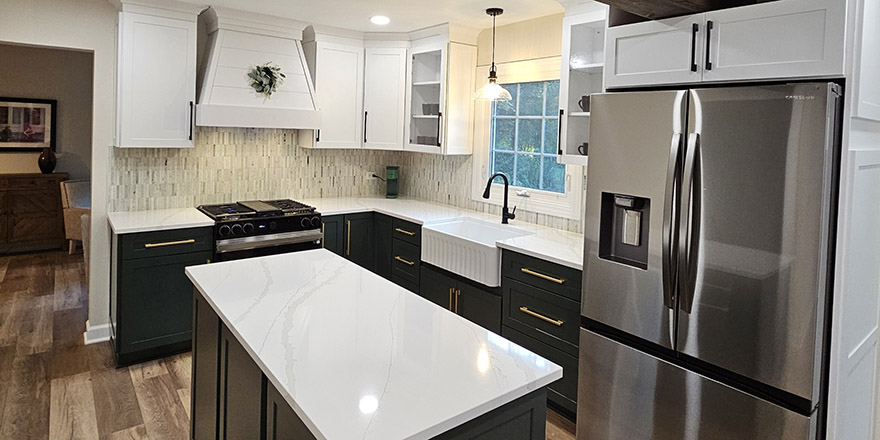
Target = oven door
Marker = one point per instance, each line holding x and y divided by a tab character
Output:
271	244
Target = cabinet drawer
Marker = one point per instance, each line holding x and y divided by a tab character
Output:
34	202
407	231
402	254
564	390
171	242
34	183
550	318
556	278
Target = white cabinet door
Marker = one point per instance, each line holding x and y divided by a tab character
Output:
339	79
666	51
384	98
780	39
157	81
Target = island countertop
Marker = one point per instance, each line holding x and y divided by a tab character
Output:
356	356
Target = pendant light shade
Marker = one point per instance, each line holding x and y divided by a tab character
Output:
492	91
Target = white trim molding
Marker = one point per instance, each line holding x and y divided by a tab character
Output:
96	333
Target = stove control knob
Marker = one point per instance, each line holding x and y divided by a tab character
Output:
224	230
272	226
248	228
316	222
305	223
236	229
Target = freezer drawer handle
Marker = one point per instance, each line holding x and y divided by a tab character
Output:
169	243
406	262
542	276
556	322
405	232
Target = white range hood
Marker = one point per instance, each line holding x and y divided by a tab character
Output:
237	41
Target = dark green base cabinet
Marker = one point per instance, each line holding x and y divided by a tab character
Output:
351	236
150	302
542	313
233	399
479	304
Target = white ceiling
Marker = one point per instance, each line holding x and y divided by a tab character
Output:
406	15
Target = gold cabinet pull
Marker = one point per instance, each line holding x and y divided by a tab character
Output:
556	322
457	294
348	237
169	243
542	276
406	262
450	298
322	235
404	231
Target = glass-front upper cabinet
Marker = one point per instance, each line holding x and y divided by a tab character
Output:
428	78
583	63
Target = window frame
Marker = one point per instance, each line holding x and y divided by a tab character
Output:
567	204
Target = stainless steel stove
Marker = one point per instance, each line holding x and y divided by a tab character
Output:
263	227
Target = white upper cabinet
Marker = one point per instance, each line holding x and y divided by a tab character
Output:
338	74
384	97
666	51
156	77
773	40
781	39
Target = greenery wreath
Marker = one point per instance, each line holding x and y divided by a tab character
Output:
266	79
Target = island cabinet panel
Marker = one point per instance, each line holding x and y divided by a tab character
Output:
523	419
241	391
281	422
383	235
205	362
151	307
563	392
332	230
479	304
358	240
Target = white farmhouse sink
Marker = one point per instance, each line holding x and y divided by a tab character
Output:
466	246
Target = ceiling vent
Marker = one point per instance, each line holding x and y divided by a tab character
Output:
233	43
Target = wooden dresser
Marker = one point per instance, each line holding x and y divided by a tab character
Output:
30	212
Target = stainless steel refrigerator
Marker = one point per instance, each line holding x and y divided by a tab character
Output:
708	250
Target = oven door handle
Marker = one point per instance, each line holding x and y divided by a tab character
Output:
262	241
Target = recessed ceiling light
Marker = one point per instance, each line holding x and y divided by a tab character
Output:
380	20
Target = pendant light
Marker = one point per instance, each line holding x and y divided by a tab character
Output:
492	91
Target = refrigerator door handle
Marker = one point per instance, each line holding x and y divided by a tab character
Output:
689	225
670	219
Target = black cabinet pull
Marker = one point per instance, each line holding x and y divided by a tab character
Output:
559	133
192	109
696	28
318	136
365	127
439	124
709	26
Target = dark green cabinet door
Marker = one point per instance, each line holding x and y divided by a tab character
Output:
436	287
155	302
333	239
281	422
382	245
206	365
479	306
241	391
359	248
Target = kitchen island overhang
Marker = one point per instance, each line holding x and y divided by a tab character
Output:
356	356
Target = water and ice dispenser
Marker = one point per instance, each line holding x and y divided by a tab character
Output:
623	231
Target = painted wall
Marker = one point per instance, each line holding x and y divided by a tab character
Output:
526	40
88	25
63	75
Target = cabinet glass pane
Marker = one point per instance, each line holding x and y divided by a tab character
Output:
425	98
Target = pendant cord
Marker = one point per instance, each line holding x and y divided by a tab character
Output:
493	41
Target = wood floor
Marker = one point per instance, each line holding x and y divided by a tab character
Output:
53	386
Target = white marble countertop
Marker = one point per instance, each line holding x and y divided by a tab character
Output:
157	220
554	245
356	356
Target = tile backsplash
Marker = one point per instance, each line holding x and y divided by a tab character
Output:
229	164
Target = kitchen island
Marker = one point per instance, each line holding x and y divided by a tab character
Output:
310	345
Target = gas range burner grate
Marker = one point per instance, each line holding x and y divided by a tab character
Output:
290	206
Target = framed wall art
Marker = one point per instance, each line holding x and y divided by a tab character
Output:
27	124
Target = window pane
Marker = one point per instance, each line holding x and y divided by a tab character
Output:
528	171
531	99
503	164
554	175
529	136
505	108
505	130
551	132
552	108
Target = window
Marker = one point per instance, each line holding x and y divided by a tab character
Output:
523	136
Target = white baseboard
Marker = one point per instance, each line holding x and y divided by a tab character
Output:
96	333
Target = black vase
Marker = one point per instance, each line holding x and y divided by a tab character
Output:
47	161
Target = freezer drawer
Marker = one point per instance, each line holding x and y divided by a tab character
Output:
628	395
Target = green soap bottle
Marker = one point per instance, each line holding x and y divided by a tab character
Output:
392	182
